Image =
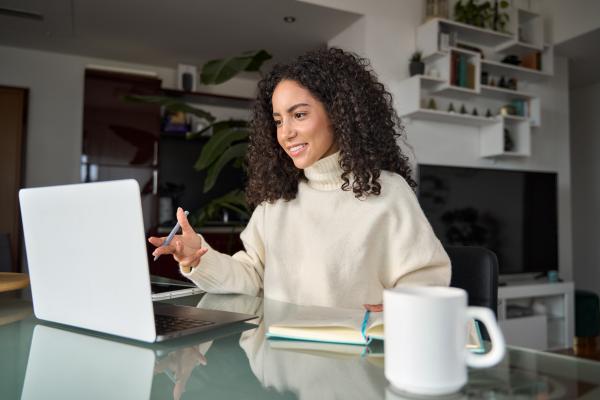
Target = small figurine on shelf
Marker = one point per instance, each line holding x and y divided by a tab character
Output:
512	84
511	59
484	77
175	123
451	108
509	145
463	109
488	113
434	72
475	113
432	105
502	82
492	82
508	109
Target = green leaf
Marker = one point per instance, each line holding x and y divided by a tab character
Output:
257	59
235	151
225	133
504	4
219	71
234	200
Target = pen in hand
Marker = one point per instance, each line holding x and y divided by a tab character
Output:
171	235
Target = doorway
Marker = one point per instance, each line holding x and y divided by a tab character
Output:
13	117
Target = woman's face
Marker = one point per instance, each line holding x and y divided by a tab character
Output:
303	127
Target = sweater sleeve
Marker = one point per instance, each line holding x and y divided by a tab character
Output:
241	273
415	255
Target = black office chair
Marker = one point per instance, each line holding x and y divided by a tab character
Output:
475	269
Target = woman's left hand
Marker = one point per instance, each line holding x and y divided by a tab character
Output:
374	307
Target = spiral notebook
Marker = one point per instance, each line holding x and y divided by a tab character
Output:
344	326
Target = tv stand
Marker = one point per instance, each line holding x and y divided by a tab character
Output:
537	315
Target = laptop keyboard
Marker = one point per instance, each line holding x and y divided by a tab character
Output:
167	323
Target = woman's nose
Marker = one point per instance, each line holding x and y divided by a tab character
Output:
289	131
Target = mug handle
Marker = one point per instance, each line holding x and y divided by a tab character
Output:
495	355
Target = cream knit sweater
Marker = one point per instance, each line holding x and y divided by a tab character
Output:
328	248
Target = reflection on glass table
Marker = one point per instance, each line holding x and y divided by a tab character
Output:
49	361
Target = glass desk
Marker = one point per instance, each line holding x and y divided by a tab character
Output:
46	361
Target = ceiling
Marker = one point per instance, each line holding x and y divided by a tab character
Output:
584	58
168	32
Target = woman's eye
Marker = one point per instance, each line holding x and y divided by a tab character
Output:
277	122
299	114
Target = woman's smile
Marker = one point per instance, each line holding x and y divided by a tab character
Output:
297	150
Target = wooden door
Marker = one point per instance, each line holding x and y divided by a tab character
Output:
13	115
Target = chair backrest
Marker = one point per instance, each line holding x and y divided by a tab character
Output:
475	269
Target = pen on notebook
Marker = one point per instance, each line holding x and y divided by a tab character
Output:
171	235
363	328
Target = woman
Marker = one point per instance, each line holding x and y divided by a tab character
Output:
336	220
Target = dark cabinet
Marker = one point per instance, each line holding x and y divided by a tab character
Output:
117	131
122	139
121	136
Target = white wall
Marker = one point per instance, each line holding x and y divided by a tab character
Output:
388	38
570	18
55	111
585	148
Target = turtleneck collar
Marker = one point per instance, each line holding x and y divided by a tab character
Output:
325	174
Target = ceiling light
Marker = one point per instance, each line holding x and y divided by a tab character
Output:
289	19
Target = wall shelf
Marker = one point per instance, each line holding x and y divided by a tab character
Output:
516	118
513	70
450	117
457	83
505	94
472	34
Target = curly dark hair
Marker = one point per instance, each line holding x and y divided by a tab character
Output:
365	124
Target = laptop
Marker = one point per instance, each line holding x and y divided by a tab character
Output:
166	288
66	364
88	266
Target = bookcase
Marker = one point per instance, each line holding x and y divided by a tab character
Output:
469	80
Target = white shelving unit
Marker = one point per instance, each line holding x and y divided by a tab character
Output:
551	323
501	134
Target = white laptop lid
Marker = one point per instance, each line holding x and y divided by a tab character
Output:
86	252
67	365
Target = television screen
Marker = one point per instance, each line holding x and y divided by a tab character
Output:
513	213
184	184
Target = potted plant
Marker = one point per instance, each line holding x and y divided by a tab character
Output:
416	66
482	15
228	138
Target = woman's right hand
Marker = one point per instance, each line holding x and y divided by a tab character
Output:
186	248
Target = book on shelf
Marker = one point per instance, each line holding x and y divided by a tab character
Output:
454	69
521	107
462	70
342	326
532	61
470	81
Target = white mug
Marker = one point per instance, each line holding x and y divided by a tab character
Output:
426	337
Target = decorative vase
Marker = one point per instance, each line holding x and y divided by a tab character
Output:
416	68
